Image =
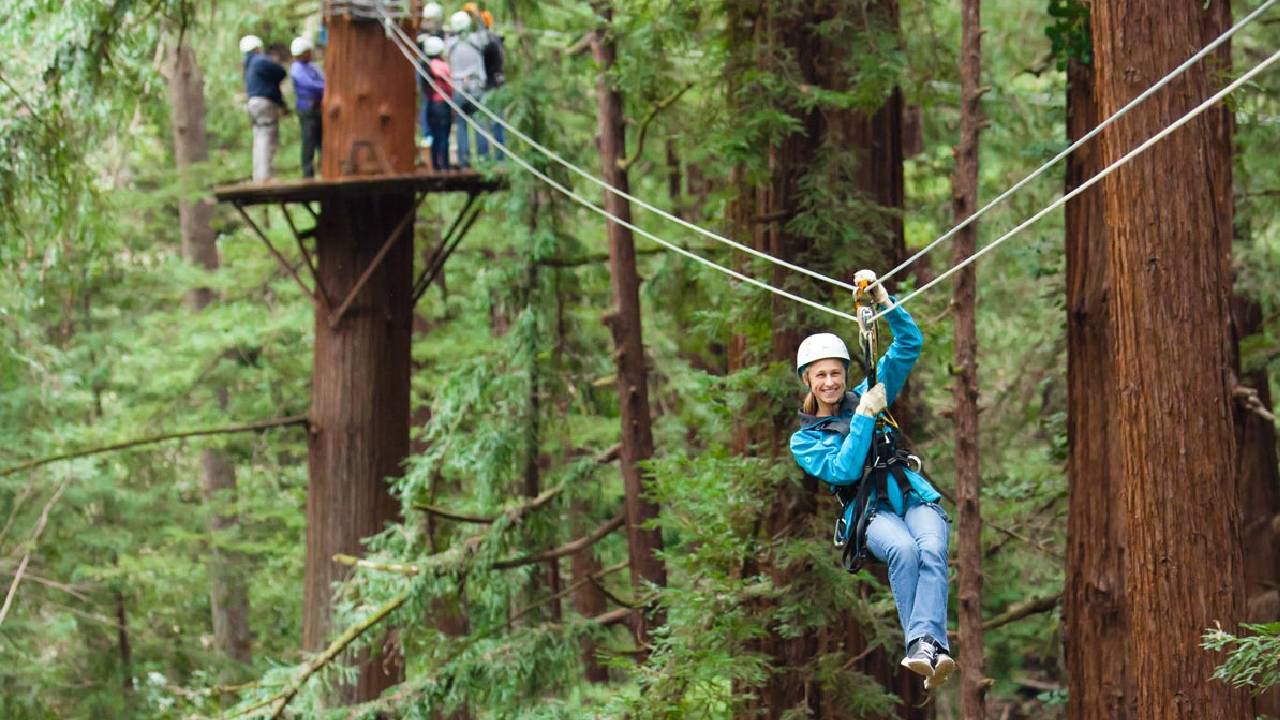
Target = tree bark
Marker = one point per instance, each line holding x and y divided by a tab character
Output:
359	406
228	592
964	201
1095	524
625	325
1169	264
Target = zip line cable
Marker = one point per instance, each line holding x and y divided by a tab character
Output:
1174	73
1162	82
401	45
1214	99
552	155
413	54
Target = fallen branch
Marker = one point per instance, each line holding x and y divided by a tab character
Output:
280	701
153	439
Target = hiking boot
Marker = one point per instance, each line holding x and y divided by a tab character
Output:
921	654
943	666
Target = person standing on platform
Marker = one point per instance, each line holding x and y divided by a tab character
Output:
262	78
432	26
466	65
439	116
495	57
308	87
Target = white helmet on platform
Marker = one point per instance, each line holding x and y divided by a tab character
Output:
460	22
301	44
433	11
249	43
820	347
434	46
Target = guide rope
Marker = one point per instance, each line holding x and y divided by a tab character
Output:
1212	100
1174	73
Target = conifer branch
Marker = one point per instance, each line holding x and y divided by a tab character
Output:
153	439
281	700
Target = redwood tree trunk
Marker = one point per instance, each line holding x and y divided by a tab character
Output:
964	201
624	323
228	594
1180	560
359	406
1095	524
360	379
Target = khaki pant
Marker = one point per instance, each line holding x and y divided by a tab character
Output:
266	135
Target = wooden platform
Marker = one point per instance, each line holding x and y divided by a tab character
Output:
308	190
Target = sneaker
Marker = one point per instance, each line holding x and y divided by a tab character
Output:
921	654
943	666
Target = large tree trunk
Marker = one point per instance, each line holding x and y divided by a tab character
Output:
624	323
228	593
1169	320
1095	523
360	378
964	201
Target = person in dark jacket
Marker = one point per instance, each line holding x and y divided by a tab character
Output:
308	88
262	78
908	530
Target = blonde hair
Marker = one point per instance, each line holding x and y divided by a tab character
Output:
810	404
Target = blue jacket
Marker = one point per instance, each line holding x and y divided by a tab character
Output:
308	85
262	77
836	458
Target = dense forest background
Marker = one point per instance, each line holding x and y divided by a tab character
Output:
513	375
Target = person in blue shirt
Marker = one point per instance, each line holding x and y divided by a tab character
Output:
262	78
908	530
308	88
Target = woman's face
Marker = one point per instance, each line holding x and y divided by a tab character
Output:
827	380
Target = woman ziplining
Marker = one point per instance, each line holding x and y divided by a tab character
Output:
888	508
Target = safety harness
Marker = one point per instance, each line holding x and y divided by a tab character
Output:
888	458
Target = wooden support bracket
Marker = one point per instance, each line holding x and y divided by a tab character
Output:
306	256
276	253
336	316
448	243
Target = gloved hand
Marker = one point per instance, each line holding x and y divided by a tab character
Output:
878	293
873	401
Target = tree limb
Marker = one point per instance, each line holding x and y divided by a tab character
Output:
1248	398
153	439
1017	611
513	514
593	578
568	548
26	557
280	701
658	107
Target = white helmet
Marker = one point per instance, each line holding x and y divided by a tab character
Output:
820	347
433	11
460	22
301	44
249	43
434	46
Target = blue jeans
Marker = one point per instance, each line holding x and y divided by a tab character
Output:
915	548
439	118
464	133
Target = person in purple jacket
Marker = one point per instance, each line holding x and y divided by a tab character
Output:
308	87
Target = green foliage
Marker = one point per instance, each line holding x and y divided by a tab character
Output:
1252	661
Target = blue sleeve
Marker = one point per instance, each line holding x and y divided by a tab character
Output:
274	71
302	81
896	363
839	465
